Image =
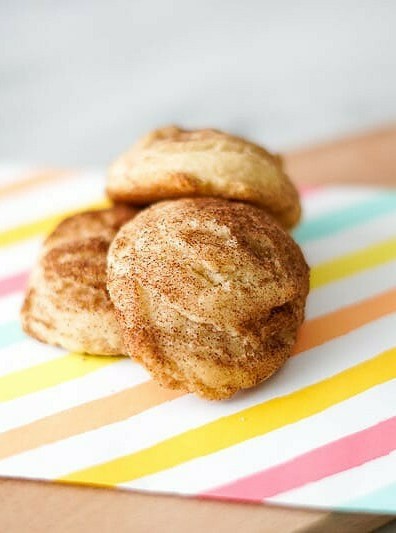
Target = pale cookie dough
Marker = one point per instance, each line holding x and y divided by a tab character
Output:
173	163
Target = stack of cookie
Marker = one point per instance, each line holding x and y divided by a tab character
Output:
204	287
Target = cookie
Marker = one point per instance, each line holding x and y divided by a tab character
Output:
67	303
209	294
174	163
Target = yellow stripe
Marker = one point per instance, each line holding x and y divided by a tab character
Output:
45	225
239	427
353	263
49	374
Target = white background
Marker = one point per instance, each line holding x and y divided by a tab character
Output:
80	80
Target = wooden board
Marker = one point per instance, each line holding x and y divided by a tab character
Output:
28	506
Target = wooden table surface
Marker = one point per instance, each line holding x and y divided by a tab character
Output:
28	506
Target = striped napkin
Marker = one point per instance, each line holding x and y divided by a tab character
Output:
321	433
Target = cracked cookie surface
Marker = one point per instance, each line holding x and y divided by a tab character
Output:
209	293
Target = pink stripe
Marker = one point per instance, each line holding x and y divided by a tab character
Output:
13	283
306	190
343	454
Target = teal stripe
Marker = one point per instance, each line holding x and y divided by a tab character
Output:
380	501
10	332
347	217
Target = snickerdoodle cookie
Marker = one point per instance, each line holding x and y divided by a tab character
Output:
67	303
173	163
209	293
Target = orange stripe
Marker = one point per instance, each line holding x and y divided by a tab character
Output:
86	417
127	403
319	330
33	179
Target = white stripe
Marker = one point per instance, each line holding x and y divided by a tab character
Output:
188	412
343	487
25	354
350	290
328	199
274	448
20	257
13	173
98	384
40	203
10	307
351	240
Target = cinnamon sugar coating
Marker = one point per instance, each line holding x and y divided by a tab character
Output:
67	303
209	294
